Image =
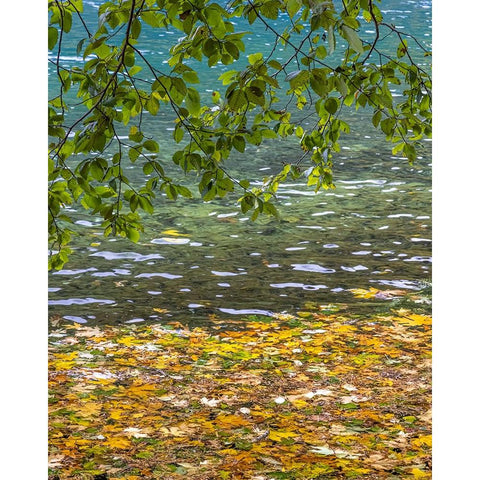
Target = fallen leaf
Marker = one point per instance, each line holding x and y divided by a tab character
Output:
229	421
118	442
278	435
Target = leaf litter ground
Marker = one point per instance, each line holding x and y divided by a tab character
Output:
316	396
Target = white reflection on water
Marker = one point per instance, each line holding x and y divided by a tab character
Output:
357	268
155	274
136	257
170	241
74	272
75	319
312	267
80	301
297	285
227	274
252	311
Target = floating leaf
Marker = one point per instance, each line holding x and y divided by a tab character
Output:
174	233
362	293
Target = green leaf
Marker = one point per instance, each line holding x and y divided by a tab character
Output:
254	58
377	116
402	48
298	78
66	23
331	105
237	100
293	6
190	76
133	234
331	40
153	105
232	49
341	86
136	28
134	70
398	148
274	64
133	154
239	143
215	21
387	125
209	47
52	37
178	133
184	191
151	145
192	101
352	38
151	18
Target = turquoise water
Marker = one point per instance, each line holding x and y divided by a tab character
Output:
373	230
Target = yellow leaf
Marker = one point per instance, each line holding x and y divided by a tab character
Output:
160	310
362	293
64	365
118	442
116	414
345	328
423	440
174	233
278	435
66	356
300	403
414	319
417	473
127	341
89	409
229	451
304	314
229	421
140	390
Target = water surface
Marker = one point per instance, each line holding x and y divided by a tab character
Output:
197	259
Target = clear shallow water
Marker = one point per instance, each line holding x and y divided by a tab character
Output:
373	230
